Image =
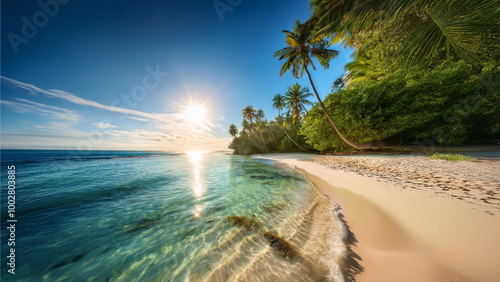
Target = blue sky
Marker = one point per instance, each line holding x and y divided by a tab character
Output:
120	74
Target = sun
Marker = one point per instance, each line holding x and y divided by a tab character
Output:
195	113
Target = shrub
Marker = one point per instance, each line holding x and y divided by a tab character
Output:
450	157
452	104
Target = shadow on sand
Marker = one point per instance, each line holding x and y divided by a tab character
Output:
350	266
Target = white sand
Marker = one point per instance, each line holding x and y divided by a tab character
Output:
406	234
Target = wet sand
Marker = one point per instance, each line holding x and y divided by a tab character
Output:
412	218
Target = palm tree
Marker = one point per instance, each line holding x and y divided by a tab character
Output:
358	69
247	134
279	104
424	26
271	125
302	45
296	101
245	128
263	127
250	114
233	130
260	125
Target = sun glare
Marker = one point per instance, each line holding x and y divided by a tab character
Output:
195	113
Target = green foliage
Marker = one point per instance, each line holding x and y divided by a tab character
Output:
296	100
302	45
422	71
450	157
286	144
233	131
274	137
420	29
242	146
452	104
259	135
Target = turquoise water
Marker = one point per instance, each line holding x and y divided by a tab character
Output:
136	216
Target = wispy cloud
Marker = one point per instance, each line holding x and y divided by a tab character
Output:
170	128
102	125
141	133
138	118
159	139
26	106
160	136
84	102
170	122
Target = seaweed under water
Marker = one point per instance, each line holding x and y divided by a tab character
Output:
274	208
143	224
73	259
243	221
279	244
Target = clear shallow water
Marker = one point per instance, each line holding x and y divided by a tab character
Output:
123	216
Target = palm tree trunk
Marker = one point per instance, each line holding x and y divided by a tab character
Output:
262	145
274	139
262	138
255	143
354	145
294	141
284	129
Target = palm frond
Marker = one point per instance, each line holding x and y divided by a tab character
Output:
302	44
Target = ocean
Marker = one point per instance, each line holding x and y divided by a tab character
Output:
155	216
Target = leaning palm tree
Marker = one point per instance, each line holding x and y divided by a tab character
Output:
279	104
302	47
261	125
271	125
251	114
246	133
264	127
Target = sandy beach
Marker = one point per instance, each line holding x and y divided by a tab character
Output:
412	218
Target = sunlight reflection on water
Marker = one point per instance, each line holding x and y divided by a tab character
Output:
195	159
165	218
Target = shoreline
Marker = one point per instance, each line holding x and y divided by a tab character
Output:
400	234
349	265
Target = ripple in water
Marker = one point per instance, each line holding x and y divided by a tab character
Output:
196	216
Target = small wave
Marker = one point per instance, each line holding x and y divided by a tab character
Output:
337	251
337	244
66	200
78	157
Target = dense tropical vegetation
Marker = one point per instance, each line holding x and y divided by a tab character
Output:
423	73
282	134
